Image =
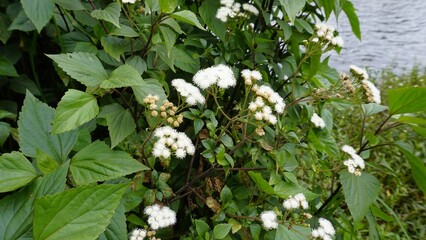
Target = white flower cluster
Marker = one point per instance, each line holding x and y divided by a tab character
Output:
371	91
317	121
269	220
326	33
221	75
325	230
190	92
265	97
231	9
171	141
299	200
138	234
160	217
359	72
355	163
128	1
250	77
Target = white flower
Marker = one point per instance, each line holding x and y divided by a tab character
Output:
269	220
250	76
160	217
128	1
227	3
250	8
223	13
355	163
337	41
371	91
190	92
317	121
138	234
348	149
325	230
296	201
221	75
359	72
315	40
170	141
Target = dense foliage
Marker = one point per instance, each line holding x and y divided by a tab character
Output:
198	119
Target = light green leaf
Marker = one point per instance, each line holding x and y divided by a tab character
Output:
407	100
349	10
187	16
292	7
38	11
201	227
117	228
161	51
15	171
225	195
418	169
123	76
261	183
34	127
149	86
70	5
186	62
82	221
74	109
168	6
221	230
124	31
6	68
412	120
114	46
169	37
97	162
5	130
120	122
16	210
137	63
173	25
294	232
110	14
372	108
45	163
286	189
83	67
360	192
328	6
323	141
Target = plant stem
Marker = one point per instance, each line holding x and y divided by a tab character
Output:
328	200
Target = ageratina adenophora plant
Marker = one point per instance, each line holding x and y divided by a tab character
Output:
190	119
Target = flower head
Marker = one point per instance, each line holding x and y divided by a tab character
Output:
325	230
190	92
296	201
171	141
128	1
317	121
221	75
355	163
250	77
371	91
160	216
138	234
359	72
269	220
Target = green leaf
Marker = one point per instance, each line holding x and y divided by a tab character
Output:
38	11
74	109
4	24
120	122
70	5
149	86
221	230
225	195
186	62
82	221
97	162
117	228
123	76
201	227
328	7
16	210
6	68
323	141
34	127
349	10
168	6
294	232
169	37
15	171
261	183
187	16
412	120
124	31
372	108
137	63
418	169
45	163
292	7
5	130
83	67
114	46
110	14
285	189
407	100
198	125
208	13
22	23
360	192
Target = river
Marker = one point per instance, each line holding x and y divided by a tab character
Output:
393	33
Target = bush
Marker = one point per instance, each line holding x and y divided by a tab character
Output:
195	120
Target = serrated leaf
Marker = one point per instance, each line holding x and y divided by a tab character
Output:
15	171
97	162
360	192
74	109
123	76
117	228
120	122
83	67
187	16
293	232
78	221
208	13
169	37
114	46
6	68
124	31
38	11
5	131
292	7
418	169
34	127
45	163
261	183
407	100
137	63
221	230
186	62
149	86
110	14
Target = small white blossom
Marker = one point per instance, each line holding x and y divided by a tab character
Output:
138	234
317	121
227	3
221	75
296	201
190	92
160	216
223	13
250	8
171	141
269	220
325	230
359	72
371	91
250	77
337	41
355	163
128	1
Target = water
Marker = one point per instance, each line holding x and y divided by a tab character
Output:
393	33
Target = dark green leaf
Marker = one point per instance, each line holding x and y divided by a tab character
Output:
208	13
261	183
360	192
97	162
292	7
186	62
38	11
15	171
117	228
114	46
187	16
22	23
110	14
169	37
70	5
418	169
137	63
82	221
120	122
412	120
225	195
149	86
74	109
6	68
124	31
5	130
123	76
